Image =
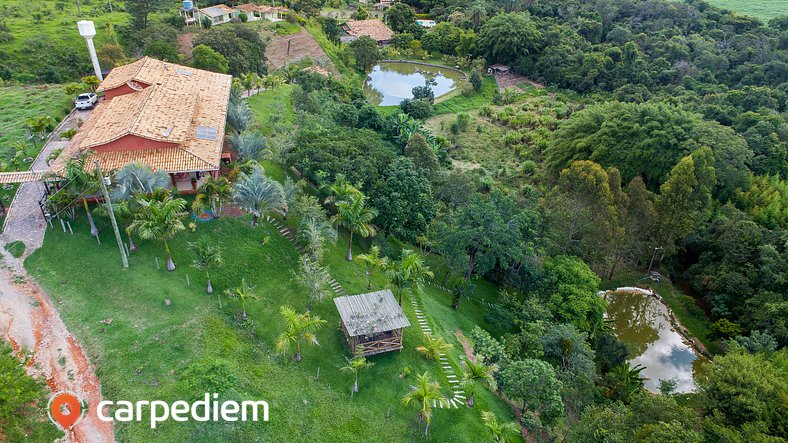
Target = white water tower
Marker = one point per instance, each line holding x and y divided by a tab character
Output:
87	30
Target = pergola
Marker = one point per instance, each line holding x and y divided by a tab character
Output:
372	323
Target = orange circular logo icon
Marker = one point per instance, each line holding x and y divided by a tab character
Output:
65	409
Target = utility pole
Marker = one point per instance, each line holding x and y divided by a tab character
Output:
105	194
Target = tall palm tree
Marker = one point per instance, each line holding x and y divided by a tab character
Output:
250	145
80	183
239	116
372	261
423	394
299	328
131	181
243	293
434	346
354	215
215	190
248	81
354	366
206	257
258	194
341	190
159	218
498	429
475	373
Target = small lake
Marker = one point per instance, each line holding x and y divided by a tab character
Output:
642	322
391	82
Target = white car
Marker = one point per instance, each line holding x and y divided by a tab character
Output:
86	101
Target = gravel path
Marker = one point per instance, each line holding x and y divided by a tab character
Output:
29	320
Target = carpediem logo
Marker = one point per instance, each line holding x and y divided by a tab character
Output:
65	409
207	409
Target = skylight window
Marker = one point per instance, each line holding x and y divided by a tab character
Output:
206	133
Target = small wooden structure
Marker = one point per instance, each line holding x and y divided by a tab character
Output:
372	323
497	69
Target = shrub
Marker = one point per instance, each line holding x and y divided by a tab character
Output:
419	109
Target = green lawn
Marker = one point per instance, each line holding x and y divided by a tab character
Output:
155	351
275	105
20	103
460	103
762	9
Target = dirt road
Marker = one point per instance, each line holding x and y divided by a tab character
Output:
30	322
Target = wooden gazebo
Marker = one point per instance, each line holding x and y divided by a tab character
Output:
372	323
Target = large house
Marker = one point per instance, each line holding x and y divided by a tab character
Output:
372	28
168	116
259	12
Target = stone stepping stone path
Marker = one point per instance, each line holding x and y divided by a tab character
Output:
288	234
458	398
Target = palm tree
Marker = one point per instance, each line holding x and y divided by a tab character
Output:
243	293
159	219
354	215
137	178
409	272
206	258
298	328
313	279
423	394
80	183
40	125
258	194
250	145
314	233
355	365
475	373
341	190
434	346
499	430
239	115
372	261
215	190
248	81
292	190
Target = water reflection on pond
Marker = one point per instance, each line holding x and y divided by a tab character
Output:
642	322
391	82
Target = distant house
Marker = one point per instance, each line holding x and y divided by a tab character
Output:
217	14
372	28
259	12
167	116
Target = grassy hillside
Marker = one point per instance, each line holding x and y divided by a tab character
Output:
762	9
155	351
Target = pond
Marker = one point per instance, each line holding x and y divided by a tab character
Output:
391	82
642	322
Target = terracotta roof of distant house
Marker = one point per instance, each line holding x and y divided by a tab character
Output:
217	10
20	177
318	69
251	7
373	28
182	112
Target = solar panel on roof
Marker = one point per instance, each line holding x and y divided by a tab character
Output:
183	72
206	133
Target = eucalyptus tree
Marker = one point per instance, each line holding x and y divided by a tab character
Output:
257	193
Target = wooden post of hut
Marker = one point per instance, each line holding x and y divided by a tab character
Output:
372	323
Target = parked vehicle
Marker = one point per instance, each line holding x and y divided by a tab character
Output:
86	101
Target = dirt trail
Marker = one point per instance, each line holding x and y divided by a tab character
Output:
30	322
